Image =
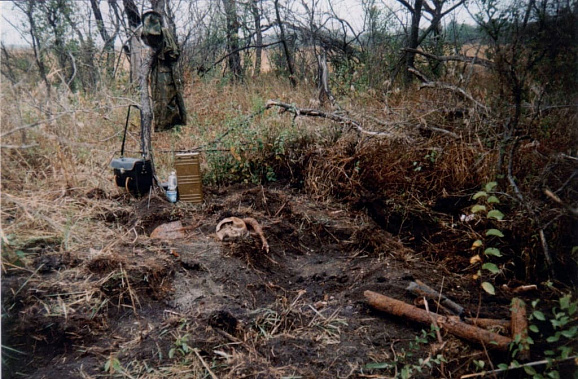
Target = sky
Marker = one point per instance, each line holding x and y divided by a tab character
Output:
348	9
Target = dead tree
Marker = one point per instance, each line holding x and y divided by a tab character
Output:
106	38
282	37
255	11
232	34
134	48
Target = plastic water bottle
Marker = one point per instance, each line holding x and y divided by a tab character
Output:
172	189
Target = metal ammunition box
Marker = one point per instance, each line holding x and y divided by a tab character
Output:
189	179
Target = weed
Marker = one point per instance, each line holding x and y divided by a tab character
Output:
558	328
404	364
487	201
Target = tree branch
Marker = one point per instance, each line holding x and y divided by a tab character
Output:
446	86
456	58
331	116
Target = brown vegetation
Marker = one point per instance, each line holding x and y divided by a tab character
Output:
87	292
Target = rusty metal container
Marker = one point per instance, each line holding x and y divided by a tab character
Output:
189	179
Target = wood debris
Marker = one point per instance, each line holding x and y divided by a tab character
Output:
456	327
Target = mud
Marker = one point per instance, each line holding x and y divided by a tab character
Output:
297	311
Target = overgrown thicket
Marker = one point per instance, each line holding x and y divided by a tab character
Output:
418	126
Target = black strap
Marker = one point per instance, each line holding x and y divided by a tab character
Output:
126	127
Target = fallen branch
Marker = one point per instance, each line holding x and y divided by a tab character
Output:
205	365
331	116
454	58
421	289
554	197
571	360
346	120
440	85
457	328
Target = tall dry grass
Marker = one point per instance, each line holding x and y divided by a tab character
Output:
55	153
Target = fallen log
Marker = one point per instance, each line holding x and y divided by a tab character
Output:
455	327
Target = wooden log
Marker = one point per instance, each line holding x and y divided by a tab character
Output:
455	327
485	323
519	326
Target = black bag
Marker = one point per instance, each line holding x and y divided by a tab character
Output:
134	174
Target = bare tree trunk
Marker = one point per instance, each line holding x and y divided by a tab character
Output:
134	44
323	85
232	33
413	41
146	108
28	8
258	36
288	56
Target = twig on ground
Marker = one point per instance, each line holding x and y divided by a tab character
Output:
531	364
205	365
551	195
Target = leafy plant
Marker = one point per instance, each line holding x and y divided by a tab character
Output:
404	365
487	201
180	346
113	365
559	330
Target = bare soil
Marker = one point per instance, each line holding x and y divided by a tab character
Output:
143	305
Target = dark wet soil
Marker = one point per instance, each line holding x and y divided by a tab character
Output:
298	310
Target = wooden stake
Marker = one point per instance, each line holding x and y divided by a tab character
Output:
519	326
455	327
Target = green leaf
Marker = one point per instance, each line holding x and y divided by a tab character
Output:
493	200
539	315
503	366
549	352
570	333
490	186
494	213
534	328
478	208
530	370
554	338
553	375
491	268
494	232
378	365
489	288
565	301
479	194
572	308
493	251
565	351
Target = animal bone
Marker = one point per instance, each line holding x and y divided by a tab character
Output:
234	227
